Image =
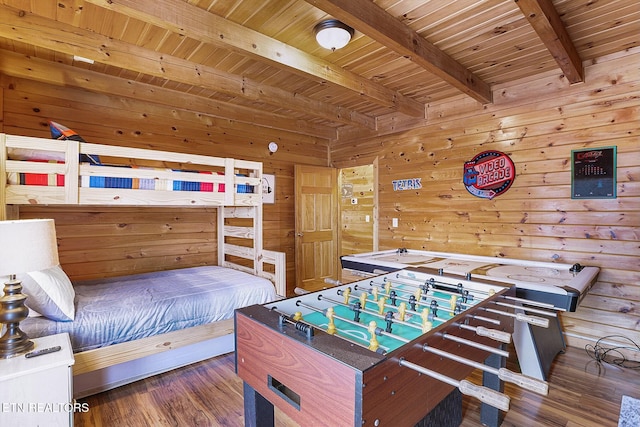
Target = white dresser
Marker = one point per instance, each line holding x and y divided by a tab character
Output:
38	391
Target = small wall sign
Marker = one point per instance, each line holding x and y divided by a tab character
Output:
268	188
489	174
347	190
407	184
593	173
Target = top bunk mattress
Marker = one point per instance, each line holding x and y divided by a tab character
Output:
120	309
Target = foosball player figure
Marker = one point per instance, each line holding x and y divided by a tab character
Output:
346	293
363	300
389	319
412	302
387	287
402	311
453	302
373	343
426	324
331	328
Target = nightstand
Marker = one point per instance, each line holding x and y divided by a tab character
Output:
38	391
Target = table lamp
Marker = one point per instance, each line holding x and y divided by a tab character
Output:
25	245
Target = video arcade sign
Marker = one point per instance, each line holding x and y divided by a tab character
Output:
489	174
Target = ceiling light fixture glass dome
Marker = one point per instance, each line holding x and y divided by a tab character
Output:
333	34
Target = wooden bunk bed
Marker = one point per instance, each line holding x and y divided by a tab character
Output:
140	177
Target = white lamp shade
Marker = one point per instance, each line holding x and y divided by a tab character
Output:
27	245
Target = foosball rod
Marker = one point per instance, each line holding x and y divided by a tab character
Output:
484	394
529	383
425	297
360	298
534	320
397	297
461	297
378	331
371	312
484	319
342	336
521	317
481	331
535	303
422	285
529	309
474	316
470	343
460	284
494	334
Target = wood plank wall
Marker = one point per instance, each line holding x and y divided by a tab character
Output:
537	123
28	105
356	202
97	242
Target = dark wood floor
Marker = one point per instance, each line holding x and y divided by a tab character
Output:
581	393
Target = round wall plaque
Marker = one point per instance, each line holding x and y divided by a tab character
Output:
489	174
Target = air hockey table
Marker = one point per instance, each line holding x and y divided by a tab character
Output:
559	285
562	285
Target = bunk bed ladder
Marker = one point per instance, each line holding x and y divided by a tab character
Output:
239	245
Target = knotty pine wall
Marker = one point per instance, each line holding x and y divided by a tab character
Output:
115	241
357	200
537	123
101	242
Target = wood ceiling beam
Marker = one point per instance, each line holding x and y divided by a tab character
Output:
370	19
546	22
17	65
191	21
40	31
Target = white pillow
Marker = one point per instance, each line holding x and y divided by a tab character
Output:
50	293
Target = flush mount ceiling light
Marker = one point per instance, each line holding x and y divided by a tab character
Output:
333	34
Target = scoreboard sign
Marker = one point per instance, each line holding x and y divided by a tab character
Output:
489	174
593	173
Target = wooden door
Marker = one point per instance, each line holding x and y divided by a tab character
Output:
316	239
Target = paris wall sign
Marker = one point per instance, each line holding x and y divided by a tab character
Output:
489	174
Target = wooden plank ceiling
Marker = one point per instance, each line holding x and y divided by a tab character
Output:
258	61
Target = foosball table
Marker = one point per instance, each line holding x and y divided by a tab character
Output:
557	284
391	350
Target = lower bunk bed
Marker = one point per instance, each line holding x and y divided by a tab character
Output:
123	329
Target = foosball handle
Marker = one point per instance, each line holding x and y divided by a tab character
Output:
524	381
494	334
485	395
533	320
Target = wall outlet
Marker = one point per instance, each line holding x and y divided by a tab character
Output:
367	218
394	222
354	201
